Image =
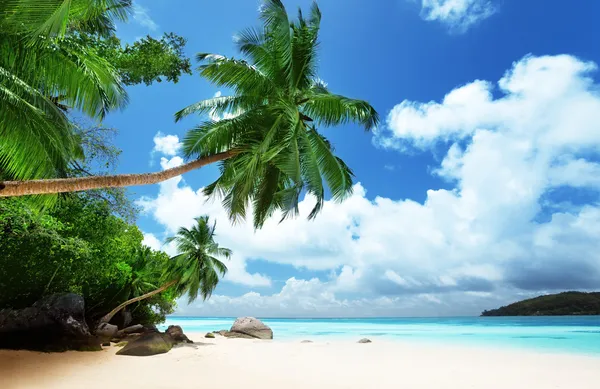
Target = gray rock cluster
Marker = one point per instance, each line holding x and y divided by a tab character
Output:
247	328
54	323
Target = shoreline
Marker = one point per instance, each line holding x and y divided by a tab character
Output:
226	363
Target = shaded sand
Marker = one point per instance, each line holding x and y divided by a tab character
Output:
229	363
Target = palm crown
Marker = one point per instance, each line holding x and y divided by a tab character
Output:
197	267
277	106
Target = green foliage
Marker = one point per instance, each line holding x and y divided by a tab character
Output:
57	56
80	247
43	73
566	303
277	105
147	60
100	157
197	267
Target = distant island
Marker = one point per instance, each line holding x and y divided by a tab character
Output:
566	303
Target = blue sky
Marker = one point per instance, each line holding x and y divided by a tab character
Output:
479	188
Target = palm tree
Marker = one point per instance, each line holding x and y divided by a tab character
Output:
270	150
43	73
195	270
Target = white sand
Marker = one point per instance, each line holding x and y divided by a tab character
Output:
239	363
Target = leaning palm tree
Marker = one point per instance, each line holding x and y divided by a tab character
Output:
43	73
269	147
195	270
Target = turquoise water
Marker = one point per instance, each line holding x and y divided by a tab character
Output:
578	334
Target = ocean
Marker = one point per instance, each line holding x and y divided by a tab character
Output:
573	334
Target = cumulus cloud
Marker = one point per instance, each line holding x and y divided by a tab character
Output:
168	145
152	241
141	15
494	238
314	298
458	15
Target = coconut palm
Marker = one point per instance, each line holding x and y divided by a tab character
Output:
43	73
195	270
268	145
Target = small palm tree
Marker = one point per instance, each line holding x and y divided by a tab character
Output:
271	150
196	270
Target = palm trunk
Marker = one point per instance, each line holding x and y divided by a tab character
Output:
75	184
112	313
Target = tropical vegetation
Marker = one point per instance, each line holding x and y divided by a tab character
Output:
82	247
566	303
270	148
62	56
195	270
63	69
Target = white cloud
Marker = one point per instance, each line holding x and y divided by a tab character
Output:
314	298
458	15
152	241
142	16
461	251
171	163
168	145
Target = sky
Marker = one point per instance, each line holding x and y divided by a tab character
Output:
479	188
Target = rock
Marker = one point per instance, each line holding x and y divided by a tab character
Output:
210	335
306	341
221	332
129	330
252	327
54	323
365	340
148	344
106	331
237	335
150	328
176	333
126	338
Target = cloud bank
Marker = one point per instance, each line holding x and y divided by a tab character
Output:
510	227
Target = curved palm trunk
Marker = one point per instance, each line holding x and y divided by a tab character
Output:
75	184
112	313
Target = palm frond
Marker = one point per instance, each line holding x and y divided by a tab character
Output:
242	77
304	49
279	38
337	174
52	18
332	110
221	105
210	138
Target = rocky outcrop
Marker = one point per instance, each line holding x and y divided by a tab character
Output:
210	335
152	343
54	323
176	333
250	327
138	328
237	335
106	332
365	340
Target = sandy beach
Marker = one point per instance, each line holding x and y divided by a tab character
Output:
228	363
